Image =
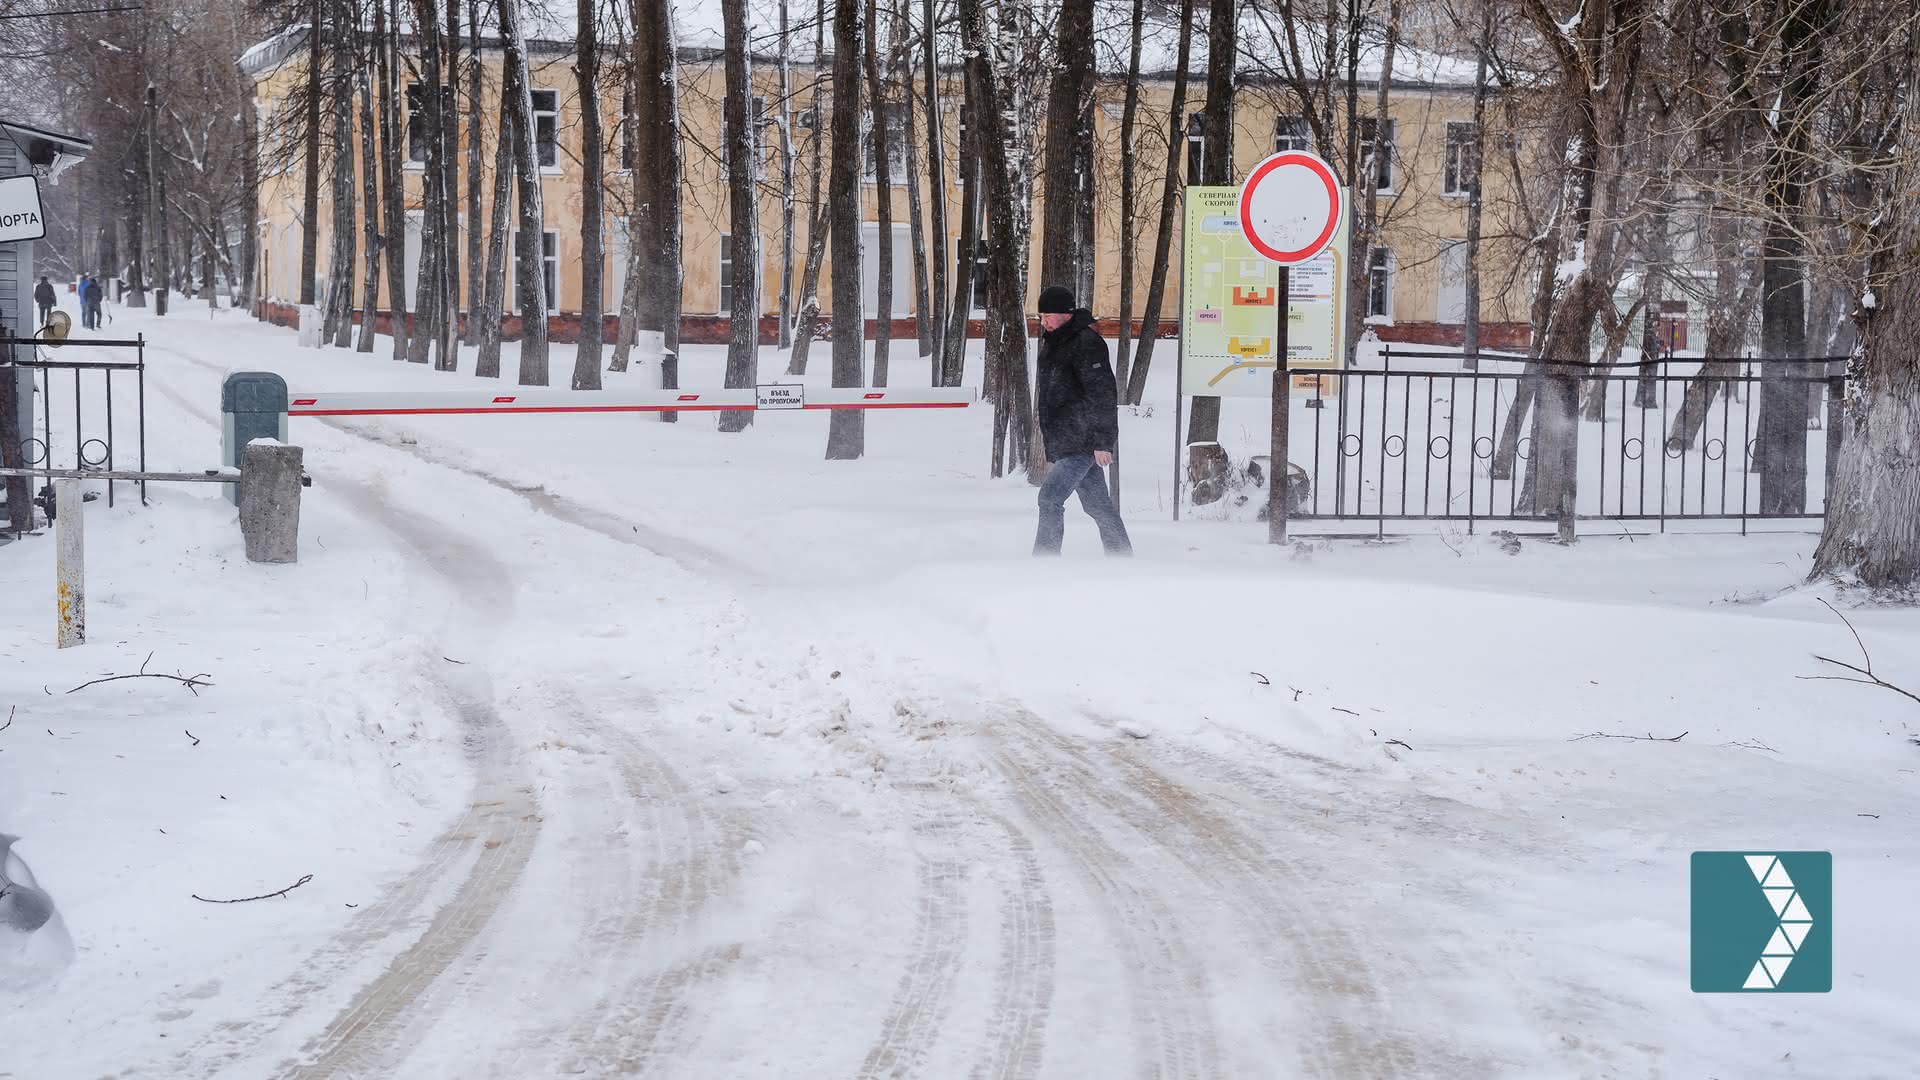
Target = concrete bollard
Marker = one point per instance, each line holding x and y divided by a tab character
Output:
270	501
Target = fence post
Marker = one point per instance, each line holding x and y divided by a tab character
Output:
69	531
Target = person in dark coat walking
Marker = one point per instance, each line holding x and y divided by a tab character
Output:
43	297
1079	412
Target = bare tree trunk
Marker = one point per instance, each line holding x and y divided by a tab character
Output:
447	345
846	430
656	113
1067	99
1006	314
475	288
393	206
493	302
923	328
370	200
529	254
743	316
784	335
165	245
883	190
805	322
249	200
637	241
935	317
1129	186
1470	319
953	360
1169	206
586	361
310	198
339	312
427	291
1206	470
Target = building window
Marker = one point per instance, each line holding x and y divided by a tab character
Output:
1382	162
546	127
726	274
1292	133
549	268
1380	284
982	278
895	118
1463	158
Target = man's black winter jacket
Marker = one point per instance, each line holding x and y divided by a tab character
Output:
1076	400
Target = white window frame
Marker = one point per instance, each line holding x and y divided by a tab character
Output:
1462	160
1300	139
552	115
1380	274
1443	309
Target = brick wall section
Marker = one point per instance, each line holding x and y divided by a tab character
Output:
564	329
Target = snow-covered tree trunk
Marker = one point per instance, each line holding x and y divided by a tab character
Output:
1129	189
493	302
310	177
370	202
910	155
656	212
586	360
447	345
846	428
249	198
1068	96
529	251
339	313
784	334
1169	207
743	317
429	296
883	198
934	317
476	289
386	31
1476	203
953	356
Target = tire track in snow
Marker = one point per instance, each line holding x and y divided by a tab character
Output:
693	861
1173	1029
1023	993
924	996
501	809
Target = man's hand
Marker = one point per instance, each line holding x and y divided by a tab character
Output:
1103	458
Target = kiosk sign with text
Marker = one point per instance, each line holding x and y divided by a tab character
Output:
20	212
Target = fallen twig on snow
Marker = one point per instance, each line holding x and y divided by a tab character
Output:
1262	678
1296	692
304	878
11	709
191	682
1397	742
1875	817
1649	737
1349	712
1752	744
191	735
1871	679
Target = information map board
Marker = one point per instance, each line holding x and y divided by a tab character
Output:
1229	293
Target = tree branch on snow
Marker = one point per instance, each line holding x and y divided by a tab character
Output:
191	682
1642	738
1870	678
304	878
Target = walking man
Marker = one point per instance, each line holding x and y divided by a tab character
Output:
1079	411
43	297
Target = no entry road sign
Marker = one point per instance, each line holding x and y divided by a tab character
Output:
1290	207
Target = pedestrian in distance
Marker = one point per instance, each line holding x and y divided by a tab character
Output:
1079	412
43	297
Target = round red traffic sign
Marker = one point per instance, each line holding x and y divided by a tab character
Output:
1290	206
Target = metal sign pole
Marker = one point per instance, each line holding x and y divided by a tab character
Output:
1180	358
1282	404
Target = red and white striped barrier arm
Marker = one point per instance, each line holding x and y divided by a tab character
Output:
483	402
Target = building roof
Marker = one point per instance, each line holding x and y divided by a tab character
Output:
46	149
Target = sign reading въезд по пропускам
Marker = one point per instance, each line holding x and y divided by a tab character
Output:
20	215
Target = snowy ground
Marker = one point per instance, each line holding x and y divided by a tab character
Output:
616	747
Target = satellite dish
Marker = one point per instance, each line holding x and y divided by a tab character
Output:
59	325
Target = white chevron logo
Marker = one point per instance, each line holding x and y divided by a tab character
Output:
1793	922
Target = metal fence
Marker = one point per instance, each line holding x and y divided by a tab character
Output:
1433	437
88	391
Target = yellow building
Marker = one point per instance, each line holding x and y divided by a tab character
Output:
1417	291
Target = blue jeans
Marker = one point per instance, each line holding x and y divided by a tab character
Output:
1077	472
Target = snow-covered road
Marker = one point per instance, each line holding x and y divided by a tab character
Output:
736	767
